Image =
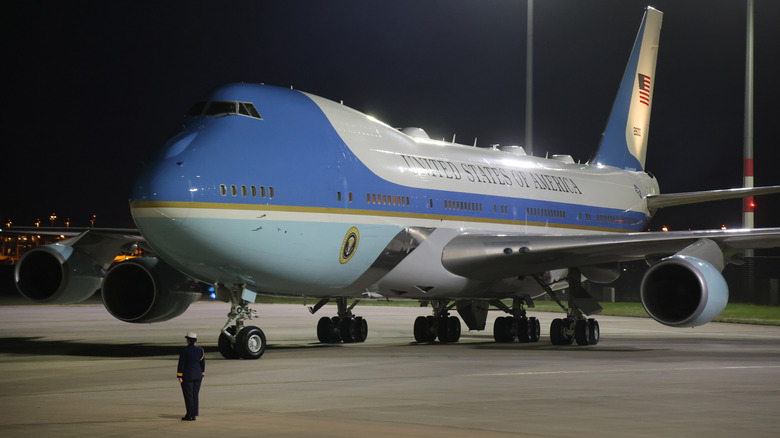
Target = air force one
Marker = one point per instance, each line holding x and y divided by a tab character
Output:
273	191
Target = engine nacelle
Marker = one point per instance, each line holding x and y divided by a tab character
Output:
57	274
146	289
684	291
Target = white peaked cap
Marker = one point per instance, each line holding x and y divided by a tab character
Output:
191	335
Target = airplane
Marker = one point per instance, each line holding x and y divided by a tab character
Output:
274	191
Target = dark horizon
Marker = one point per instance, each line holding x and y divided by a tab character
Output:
95	88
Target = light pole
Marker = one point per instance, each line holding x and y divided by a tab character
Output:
529	80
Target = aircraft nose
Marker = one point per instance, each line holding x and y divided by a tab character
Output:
163	191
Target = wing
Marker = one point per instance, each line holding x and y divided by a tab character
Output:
100	244
672	199
486	257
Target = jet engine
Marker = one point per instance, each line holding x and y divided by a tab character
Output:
686	289
146	289
57	274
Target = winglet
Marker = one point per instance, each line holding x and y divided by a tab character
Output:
624	143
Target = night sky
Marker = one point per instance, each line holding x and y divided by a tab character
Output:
93	88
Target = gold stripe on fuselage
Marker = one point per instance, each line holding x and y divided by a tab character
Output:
360	212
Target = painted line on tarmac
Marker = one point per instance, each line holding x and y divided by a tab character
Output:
634	370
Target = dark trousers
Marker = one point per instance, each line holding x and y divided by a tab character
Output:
190	389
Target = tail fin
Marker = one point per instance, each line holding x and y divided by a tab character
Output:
624	143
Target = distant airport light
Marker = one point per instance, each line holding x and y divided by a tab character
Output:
723	227
664	229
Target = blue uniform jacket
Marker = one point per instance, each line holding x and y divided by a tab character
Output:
192	363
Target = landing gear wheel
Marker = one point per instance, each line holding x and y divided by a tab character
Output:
325	331
449	329
422	330
250	343
595	334
523	330
226	347
581	332
559	332
454	328
361	329
347	330
502	329
534	329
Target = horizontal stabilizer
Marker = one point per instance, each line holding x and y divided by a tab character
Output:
655	202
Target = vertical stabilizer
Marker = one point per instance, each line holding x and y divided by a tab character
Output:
624	144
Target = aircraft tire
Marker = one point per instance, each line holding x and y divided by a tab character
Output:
361	329
348	329
226	347
325	330
523	330
581	332
559	332
502	329
534	329
250	343
449	329
453	328
595	333
422	330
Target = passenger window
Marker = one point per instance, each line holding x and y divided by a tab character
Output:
270	192
243	190
262	191
233	190
223	189
254	191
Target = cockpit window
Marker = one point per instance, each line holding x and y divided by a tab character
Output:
218	108
224	108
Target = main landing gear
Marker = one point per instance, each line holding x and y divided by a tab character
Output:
236	340
518	326
440	324
575	327
345	327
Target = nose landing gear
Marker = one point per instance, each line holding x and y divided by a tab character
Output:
237	341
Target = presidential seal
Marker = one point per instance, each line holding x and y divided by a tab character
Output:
349	245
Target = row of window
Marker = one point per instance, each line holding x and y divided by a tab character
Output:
546	212
462	205
246	191
374	198
610	218
384	199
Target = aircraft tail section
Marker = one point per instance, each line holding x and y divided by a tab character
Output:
624	143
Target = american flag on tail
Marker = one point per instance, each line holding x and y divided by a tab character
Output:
644	89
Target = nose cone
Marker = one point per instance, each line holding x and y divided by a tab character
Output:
163	192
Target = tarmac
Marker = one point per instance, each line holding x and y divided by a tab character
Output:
76	371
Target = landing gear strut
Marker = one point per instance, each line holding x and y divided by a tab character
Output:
519	325
345	327
236	340
441	324
575	327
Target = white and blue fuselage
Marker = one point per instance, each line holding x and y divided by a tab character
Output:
308	197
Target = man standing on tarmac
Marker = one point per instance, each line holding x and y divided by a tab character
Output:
192	368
